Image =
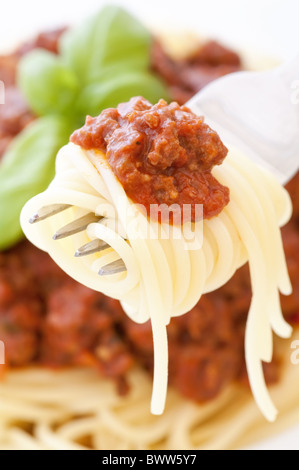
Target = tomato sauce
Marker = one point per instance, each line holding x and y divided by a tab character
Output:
187	76
161	154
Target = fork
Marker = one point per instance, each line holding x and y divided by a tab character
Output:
256	112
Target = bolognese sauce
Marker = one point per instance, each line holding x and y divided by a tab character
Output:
161	154
187	76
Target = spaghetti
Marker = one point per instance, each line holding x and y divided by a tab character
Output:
75	409
163	278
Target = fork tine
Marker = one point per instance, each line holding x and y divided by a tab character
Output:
116	267
76	226
95	246
47	211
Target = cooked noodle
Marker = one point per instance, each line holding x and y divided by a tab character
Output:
75	409
164	278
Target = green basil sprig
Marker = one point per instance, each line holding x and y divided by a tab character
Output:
111	37
27	169
49	86
119	88
102	62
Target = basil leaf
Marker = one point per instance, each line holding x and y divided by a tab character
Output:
112	35
109	93
27	169
48	85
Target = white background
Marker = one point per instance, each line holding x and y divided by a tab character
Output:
267	26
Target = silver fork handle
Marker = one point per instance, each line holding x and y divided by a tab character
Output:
266	130
289	76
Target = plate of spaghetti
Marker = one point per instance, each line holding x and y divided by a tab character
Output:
154	304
